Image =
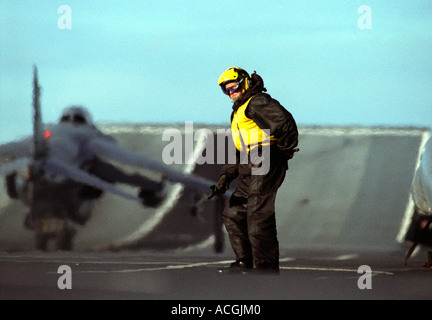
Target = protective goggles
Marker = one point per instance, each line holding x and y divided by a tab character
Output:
230	90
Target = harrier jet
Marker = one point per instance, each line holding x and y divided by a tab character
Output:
64	167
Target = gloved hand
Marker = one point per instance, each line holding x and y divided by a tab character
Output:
223	184
221	187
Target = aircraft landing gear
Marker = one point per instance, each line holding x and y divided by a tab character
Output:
57	229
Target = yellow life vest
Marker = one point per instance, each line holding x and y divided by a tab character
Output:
245	131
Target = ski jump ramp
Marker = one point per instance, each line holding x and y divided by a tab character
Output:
348	188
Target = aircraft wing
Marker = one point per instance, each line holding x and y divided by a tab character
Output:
15	156
17	165
15	150
58	168
117	153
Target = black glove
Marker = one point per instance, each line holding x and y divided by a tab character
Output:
223	184
221	187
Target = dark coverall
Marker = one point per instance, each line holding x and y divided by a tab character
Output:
250	217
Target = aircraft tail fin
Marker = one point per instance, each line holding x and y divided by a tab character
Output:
39	143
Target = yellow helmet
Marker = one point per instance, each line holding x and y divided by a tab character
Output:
234	74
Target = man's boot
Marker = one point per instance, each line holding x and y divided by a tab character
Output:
237	267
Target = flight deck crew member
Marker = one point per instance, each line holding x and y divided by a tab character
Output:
250	217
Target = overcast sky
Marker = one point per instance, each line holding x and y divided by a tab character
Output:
159	61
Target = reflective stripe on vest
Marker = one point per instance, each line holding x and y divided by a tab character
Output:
245	132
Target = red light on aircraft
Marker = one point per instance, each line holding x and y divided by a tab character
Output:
47	134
